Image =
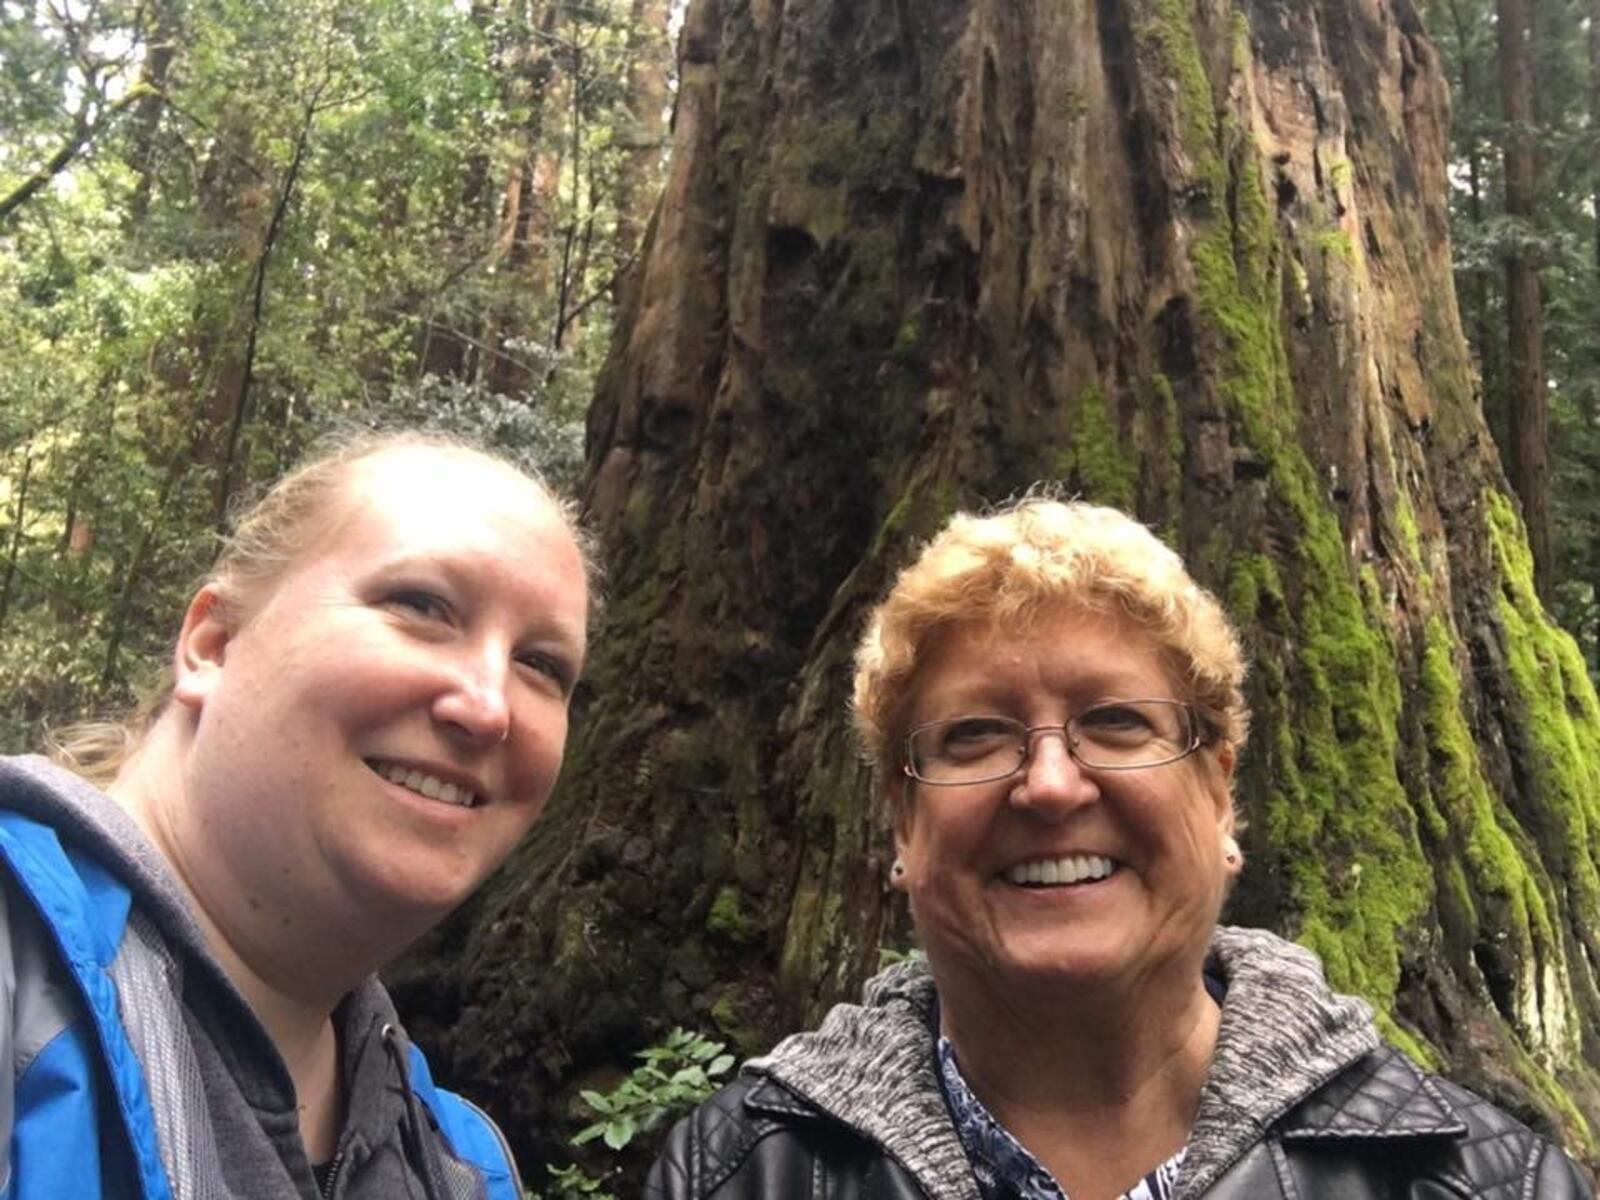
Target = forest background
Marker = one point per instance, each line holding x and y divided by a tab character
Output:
800	271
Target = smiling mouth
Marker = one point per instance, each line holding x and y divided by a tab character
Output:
423	784
1062	872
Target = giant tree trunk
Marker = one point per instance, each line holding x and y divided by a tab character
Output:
1187	258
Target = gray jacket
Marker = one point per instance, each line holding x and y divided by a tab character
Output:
191	1090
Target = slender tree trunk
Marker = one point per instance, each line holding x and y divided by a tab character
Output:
228	468
132	574
19	513
1484	333
527	205
1528	385
1190	258
146	120
648	70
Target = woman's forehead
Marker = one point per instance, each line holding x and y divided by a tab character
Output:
1055	645
441	492
422	503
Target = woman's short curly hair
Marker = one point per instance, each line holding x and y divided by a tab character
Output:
1034	554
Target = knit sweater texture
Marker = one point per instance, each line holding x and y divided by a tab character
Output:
1283	1034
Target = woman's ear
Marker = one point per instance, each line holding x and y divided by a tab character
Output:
202	646
1224	761
904	816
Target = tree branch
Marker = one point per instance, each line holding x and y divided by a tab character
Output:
83	133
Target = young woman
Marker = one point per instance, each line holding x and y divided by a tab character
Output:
367	710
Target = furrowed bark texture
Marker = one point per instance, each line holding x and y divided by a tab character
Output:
1189	258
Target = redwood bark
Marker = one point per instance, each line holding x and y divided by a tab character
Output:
1188	258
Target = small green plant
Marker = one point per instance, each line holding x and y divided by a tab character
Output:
574	1183
676	1074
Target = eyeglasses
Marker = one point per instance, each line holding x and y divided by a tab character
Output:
1119	735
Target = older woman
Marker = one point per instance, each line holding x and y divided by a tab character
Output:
367	710
1054	707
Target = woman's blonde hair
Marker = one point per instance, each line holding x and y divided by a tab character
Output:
1036	554
267	535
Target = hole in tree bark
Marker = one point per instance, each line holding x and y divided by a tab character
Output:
1286	192
788	246
1374	250
666	425
1175	339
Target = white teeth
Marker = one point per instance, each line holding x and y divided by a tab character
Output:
425	785
1074	868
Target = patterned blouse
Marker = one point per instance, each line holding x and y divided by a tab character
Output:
1004	1168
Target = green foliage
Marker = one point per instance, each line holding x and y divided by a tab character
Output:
888	956
674	1076
728	918
296	221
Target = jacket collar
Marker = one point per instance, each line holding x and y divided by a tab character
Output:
871	1066
1284	1037
1384	1096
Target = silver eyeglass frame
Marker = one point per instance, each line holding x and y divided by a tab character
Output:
1196	740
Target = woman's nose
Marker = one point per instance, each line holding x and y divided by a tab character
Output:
1052	781
473	703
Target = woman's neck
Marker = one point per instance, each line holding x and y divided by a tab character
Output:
1099	1092
274	980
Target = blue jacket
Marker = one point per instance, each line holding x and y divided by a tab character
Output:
107	1099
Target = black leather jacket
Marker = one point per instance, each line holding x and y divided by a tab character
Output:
1381	1128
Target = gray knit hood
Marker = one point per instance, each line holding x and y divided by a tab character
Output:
1283	1035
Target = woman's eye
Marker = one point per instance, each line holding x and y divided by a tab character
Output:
975	736
549	666
1114	719
422	603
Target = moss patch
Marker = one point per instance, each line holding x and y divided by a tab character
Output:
1334	808
728	919
1410	537
1563	713
1336	243
812	167
1093	461
1515	935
